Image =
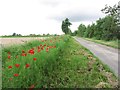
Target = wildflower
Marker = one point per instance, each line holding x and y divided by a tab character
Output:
47	49
50	47
23	51
9	66
27	65
9	56
34	59
16	75
38	47
31	51
39	50
23	54
42	47
17	65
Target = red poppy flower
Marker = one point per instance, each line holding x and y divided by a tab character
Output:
39	50
27	65
9	66
34	59
9	57
44	44
23	51
38	47
42	47
31	51
23	54
47	49
16	75
17	65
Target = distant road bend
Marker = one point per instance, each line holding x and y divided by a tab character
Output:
106	54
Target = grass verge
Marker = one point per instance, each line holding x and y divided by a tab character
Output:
67	65
113	43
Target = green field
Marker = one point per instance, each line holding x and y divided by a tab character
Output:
58	62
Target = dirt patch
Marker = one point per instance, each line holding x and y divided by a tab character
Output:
11	41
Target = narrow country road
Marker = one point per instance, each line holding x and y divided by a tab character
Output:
106	54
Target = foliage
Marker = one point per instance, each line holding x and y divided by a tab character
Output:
106	28
81	29
14	34
65	26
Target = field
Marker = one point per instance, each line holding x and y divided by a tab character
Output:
56	62
17	40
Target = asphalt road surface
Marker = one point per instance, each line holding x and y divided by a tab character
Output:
106	54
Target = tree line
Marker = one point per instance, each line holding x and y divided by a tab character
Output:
106	28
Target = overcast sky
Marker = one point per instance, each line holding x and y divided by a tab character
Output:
45	16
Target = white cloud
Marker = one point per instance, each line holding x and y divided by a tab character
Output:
40	16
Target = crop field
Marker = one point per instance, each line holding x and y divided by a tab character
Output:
17	40
55	62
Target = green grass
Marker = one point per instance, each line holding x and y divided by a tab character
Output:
112	43
69	65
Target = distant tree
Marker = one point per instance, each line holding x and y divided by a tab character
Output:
65	26
30	35
81	30
55	34
43	34
14	34
20	34
89	31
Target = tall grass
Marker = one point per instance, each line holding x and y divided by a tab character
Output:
38	69
65	64
112	43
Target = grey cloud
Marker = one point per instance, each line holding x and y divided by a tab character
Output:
76	17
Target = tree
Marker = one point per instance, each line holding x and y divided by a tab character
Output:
89	31
65	26
14	34
81	30
114	19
